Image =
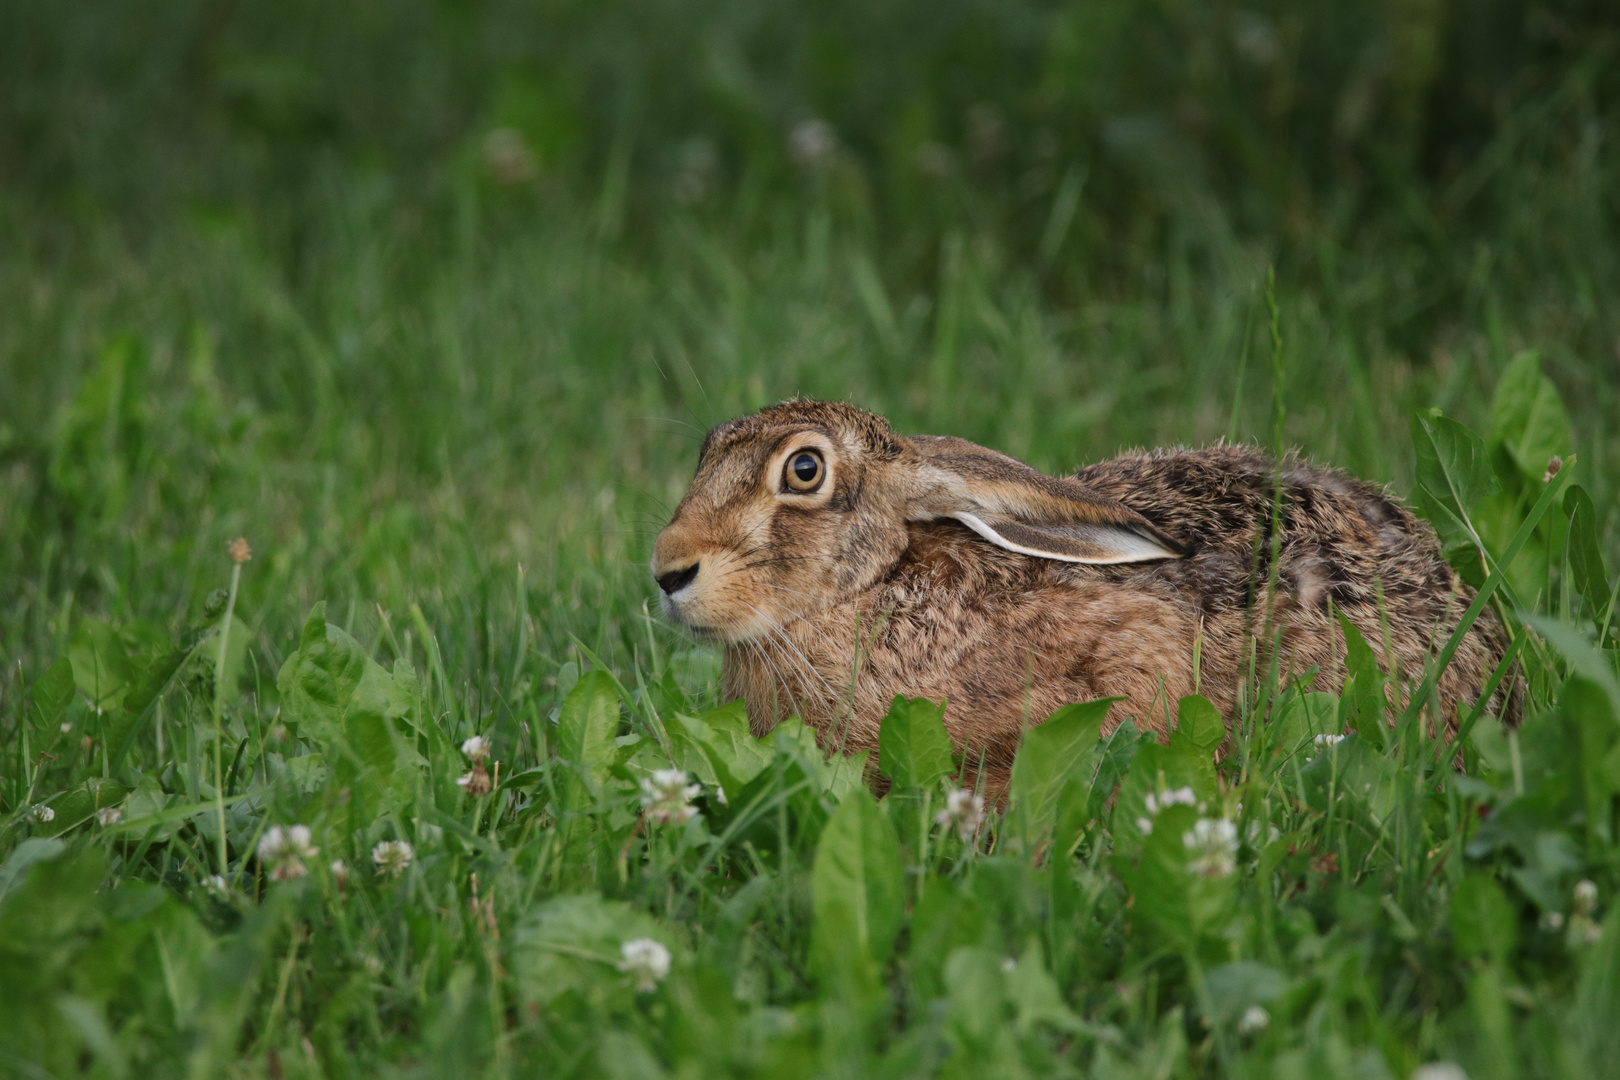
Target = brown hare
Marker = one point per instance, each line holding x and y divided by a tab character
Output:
838	564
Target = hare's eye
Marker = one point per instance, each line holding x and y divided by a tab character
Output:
805	471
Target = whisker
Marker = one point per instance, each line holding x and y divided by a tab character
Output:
779	633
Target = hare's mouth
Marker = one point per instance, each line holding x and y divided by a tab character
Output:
730	631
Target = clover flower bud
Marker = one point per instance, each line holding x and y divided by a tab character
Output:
646	959
964	809
284	850
1214	844
393	857
1586	895
666	797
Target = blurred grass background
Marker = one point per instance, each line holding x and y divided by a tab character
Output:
414	294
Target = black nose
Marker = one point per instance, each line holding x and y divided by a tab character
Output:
676	580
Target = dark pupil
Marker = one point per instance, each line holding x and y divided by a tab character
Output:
805	468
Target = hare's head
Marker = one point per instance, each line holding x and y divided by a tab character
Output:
806	504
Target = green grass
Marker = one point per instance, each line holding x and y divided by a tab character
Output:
261	281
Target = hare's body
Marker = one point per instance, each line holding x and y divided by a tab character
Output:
888	585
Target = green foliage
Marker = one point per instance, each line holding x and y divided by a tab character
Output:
913	748
406	294
1061	749
857	886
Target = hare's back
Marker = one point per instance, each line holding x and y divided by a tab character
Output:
1342	539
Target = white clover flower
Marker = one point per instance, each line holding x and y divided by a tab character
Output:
1145	824
475	781
476	748
647	960
1585	896
1439	1070
67	726
1554	920
1214	844
1254	1019
1328	740
340	872
963	809
393	857
812	143
1166	799
666	797
217	886
284	851
42	814
108	816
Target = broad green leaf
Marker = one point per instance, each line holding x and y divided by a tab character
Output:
1597	1000
1364	692
1453	473
1586	551
1235	987
1156	769
33	850
1483	923
1491	1052
318	681
141	702
857	887
80	805
1119	750
946	917
974	1014
913	749
1035	994
589	722
145	802
1161	887
51	694
1582	655
729	737
835	776
1528	418
1597	728
576	943
1067	743
347	704
1200	724
1354	772
101	667
1303	717
692	742
621	1056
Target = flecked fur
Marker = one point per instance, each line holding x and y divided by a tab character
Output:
828	611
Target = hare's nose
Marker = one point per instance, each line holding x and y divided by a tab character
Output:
676	580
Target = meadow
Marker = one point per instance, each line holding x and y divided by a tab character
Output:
429	304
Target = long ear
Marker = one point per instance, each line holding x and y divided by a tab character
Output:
1014	507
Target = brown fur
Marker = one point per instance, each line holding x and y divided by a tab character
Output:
828	607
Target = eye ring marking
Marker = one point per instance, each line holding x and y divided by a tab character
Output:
804	471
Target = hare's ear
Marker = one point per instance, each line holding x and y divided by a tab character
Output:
1014	507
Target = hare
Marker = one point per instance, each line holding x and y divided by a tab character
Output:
838	564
